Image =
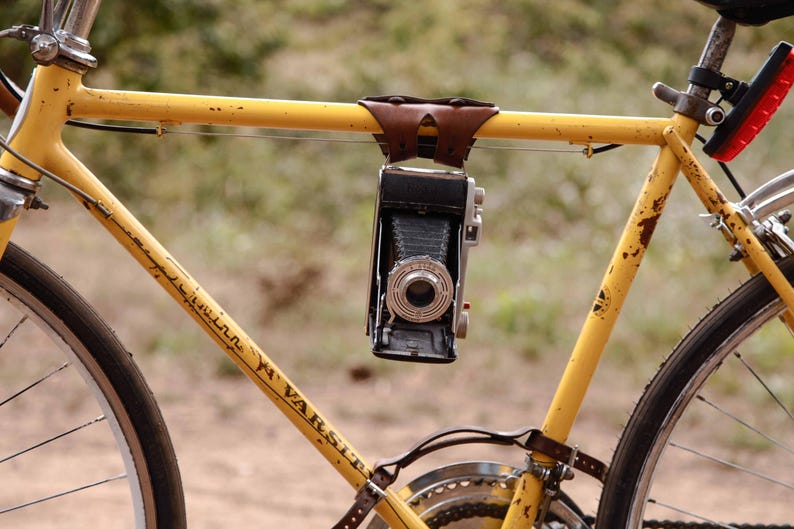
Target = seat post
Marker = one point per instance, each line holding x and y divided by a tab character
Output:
714	52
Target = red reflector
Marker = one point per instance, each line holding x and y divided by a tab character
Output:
756	108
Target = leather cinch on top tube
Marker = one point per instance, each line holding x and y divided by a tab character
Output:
456	119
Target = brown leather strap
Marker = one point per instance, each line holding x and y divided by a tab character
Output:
372	492
456	119
537	442
366	498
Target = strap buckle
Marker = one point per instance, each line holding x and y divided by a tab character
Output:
369	495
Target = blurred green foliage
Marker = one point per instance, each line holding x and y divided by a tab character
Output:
258	207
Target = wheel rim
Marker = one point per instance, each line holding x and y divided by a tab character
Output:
707	402
61	483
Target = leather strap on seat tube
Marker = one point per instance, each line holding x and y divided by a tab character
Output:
366	498
456	119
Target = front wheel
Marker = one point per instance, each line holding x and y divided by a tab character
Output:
82	442
711	442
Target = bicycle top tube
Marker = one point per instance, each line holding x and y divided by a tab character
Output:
169	108
172	108
347	117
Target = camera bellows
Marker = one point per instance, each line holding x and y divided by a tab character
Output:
415	234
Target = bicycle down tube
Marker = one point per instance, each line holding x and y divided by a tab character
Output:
57	95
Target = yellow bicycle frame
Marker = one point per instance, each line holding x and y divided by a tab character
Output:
57	95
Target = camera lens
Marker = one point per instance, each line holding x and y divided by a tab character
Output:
420	293
419	289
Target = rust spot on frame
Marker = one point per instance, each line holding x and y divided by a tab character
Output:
647	226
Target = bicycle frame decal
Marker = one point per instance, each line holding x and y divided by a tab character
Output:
167	271
602	302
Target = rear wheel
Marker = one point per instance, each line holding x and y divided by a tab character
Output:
83	443
711	442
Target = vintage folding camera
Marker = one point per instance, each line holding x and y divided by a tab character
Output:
425	222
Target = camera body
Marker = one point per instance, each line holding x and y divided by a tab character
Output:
426	221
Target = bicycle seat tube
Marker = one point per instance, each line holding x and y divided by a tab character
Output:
620	273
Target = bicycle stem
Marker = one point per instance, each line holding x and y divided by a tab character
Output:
81	17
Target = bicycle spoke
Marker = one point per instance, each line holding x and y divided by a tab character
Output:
744	423
34	384
51	439
690	513
13	330
765	386
64	493
732	465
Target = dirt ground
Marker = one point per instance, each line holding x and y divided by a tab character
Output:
243	462
244	465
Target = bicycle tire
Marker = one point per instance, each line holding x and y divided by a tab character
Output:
73	473
694	452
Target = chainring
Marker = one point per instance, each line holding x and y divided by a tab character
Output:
475	495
